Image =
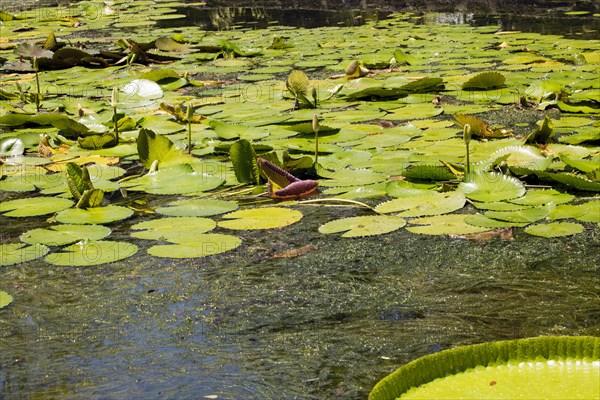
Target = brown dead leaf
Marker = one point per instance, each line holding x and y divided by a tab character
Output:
296	252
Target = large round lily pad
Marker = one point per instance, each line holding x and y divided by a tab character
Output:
553	367
364	226
175	229
60	235
15	253
260	218
197	208
491	186
34	206
203	245
453	224
97	215
85	254
555	229
5	299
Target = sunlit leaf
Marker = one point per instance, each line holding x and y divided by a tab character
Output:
60	235
260	218
485	80
97	215
453	224
197	208
175	229
83	254
203	245
363	226
5	299
555	229
34	206
15	253
492	186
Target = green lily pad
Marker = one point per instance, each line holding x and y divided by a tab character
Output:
83	254
15	253
555	229
543	196
5	299
527	215
414	111
492	186
175	229
543	367
60	235
179	179
428	203
485	80
260	218
352	177
34	206
97	216
586	212
202	246
363	226
453	224
485	222
197	208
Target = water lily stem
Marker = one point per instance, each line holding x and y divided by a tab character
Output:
189	124
38	95
116	123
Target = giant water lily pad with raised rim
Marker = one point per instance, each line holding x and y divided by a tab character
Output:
552	367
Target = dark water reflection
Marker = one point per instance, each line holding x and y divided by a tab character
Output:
225	18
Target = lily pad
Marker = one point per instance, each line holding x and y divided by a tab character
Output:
260	218
363	226
352	177
203	245
83	254
425	204
98	215
15	253
485	80
34	206
60	235
5	299
543	196
197	208
555	229
527	215
175	229
586	212
514	369
453	224
492	186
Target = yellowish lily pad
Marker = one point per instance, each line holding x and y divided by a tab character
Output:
363	226
260	218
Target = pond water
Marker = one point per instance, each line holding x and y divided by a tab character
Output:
261	323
